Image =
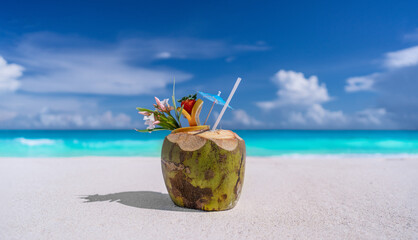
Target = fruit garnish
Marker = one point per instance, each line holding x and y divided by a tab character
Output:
193	118
188	102
196	111
185	114
189	129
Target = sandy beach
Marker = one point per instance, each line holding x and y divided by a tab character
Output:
282	198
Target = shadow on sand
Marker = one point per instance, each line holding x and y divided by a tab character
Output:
140	199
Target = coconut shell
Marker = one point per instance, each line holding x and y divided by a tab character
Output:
204	170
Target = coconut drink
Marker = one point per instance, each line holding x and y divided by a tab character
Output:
202	168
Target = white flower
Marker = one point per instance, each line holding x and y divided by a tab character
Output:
150	121
165	102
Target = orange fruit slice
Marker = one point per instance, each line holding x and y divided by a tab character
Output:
189	129
196	111
185	114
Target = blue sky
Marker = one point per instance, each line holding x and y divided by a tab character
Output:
304	64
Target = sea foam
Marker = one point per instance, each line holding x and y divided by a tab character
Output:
35	142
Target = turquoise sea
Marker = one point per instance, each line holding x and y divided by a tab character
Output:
69	143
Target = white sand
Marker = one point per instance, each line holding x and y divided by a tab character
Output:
297	198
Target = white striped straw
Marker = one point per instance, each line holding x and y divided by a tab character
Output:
226	104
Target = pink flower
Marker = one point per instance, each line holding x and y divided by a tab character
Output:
145	113
161	106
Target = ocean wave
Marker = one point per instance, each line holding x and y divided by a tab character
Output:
35	142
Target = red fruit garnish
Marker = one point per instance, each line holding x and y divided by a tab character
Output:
188	103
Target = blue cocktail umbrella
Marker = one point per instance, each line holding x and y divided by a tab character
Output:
216	99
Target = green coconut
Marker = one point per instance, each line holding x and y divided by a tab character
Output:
204	170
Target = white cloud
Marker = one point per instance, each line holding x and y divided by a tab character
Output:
240	116
91	73
68	64
7	115
87	69
402	58
9	73
412	36
322	116
315	115
300	100
371	116
362	83
163	55
101	76
49	119
295	89
39	111
297	118
32	104
395	62
396	89
185	48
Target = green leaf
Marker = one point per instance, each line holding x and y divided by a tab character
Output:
177	117
163	118
166	125
181	112
174	94
150	130
173	120
144	109
171	123
174	103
